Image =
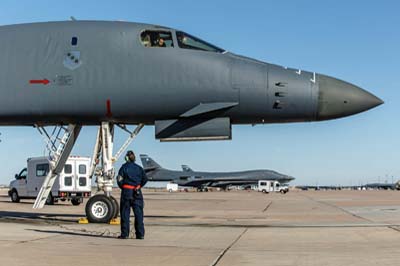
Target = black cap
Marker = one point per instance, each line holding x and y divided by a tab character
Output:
129	153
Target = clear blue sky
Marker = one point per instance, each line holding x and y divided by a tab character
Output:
358	41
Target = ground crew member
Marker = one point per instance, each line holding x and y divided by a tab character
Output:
131	178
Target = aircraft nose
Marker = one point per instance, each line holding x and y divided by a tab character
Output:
339	99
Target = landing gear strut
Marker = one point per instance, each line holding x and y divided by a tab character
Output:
103	207
202	189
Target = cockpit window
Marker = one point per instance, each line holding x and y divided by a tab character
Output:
150	38
187	41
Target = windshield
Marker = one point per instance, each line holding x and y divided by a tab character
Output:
151	38
23	173
187	41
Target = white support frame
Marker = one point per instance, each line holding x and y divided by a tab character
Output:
102	155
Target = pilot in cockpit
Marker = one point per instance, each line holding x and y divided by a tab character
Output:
161	42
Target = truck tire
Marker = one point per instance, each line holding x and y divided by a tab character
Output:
283	191
264	191
50	200
76	201
99	209
115	206
14	196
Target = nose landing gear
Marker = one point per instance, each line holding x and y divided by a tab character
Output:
102	207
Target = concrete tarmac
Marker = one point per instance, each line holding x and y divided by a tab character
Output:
214	228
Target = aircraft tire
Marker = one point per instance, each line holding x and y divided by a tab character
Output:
115	206
99	209
14	196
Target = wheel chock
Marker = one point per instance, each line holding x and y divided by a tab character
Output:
115	221
83	221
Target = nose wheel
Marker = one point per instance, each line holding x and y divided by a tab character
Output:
100	209
115	207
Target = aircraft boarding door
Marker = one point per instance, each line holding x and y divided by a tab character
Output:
68	177
83	182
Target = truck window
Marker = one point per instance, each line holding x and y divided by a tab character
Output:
152	38
42	169
82	169
68	169
263	184
68	181
187	41
82	181
23	174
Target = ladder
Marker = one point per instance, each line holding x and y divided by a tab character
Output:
59	144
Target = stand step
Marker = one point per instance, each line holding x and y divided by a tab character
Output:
57	162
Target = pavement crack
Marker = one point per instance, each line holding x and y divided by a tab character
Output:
217	260
266	208
394	228
339	208
390	226
36	239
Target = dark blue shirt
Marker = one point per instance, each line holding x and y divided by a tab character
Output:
131	174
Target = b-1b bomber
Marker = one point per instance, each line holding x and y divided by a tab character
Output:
112	74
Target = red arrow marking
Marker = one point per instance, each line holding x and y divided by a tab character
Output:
39	81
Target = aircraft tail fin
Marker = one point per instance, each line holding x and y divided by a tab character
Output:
186	168
148	163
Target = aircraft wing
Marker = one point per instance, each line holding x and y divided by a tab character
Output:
234	183
215	181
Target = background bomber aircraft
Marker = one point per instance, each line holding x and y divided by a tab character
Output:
80	73
201	180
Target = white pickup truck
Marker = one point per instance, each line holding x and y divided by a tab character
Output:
267	186
73	184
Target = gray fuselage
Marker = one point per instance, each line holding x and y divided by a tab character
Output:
119	80
196	179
